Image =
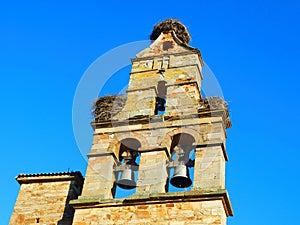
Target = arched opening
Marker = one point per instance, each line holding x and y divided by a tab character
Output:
160	104
181	163
126	170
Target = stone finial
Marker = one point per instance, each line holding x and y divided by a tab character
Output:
168	25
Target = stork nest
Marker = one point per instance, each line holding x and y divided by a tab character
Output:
104	108
212	103
169	25
215	103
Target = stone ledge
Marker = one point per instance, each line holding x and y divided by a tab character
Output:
156	198
146	119
158	148
139	59
144	123
98	154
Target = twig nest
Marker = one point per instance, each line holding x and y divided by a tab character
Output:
212	103
106	107
169	25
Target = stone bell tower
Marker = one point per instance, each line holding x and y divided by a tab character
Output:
159	153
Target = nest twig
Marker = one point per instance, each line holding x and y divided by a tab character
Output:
168	25
212	103
104	108
215	103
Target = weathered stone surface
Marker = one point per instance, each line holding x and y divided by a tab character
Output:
152	172
44	199
209	170
196	212
99	176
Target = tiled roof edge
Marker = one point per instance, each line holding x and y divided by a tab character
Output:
78	173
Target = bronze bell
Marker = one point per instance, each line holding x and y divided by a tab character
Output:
181	178
127	179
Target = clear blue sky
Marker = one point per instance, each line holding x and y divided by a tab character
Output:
251	46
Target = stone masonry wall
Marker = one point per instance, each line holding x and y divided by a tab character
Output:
45	202
176	213
209	168
99	176
152	173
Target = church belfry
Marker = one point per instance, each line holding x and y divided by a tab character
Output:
159	153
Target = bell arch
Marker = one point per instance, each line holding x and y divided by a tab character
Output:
126	168
127	138
129	144
181	162
168	137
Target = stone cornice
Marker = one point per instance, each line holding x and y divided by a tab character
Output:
113	126
85	202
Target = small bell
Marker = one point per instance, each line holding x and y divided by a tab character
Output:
127	179
181	177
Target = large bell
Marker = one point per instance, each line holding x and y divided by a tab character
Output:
127	179
181	177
